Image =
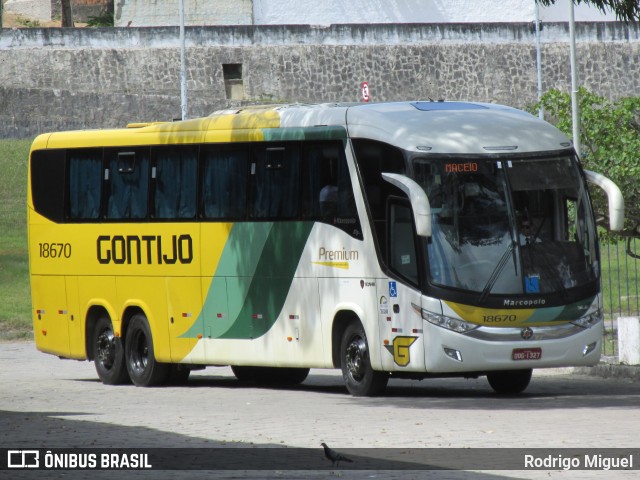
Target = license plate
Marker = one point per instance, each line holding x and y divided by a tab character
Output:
526	354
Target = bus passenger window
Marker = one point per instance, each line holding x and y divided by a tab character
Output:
327	194
277	183
85	184
128	188
224	183
175	175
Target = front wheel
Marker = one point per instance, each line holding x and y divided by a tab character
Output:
144	370
108	354
359	377
510	382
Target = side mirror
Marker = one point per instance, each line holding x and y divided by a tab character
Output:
418	199
614	195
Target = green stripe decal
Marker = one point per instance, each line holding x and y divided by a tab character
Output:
252	280
566	313
304	133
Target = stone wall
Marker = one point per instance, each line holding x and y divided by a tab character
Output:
53	79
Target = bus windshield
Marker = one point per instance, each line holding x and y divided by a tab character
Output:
508	227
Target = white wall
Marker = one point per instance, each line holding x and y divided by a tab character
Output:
324	12
31	9
144	13
560	13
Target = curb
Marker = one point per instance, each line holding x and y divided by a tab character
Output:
610	370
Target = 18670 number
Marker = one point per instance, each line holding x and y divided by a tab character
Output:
55	250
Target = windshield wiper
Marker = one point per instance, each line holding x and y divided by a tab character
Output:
496	271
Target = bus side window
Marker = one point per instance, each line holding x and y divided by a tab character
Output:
85	184
128	186
276	186
402	246
224	183
47	183
175	186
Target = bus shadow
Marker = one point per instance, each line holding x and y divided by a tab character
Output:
553	391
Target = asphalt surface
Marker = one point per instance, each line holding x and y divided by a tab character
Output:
48	403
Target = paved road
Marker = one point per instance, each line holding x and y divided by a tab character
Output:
50	403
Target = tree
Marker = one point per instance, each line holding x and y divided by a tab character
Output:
610	136
625	10
67	14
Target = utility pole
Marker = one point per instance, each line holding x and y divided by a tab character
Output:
575	107
538	60
67	14
183	65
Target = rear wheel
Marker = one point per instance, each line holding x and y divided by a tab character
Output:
144	370
359	377
510	382
108	354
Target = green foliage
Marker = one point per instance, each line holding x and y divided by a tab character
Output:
103	20
610	140
625	10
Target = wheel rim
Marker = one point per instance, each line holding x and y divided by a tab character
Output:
139	357
356	358
106	348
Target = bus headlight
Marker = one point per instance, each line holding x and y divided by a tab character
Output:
449	323
590	320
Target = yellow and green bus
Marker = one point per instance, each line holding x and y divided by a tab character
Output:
405	240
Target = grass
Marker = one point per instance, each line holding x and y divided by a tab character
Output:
620	288
15	296
620	272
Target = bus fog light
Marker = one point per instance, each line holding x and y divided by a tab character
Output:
589	348
451	353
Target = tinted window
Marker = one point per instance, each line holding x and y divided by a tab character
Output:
48	183
276	173
176	170
128	183
402	248
224	183
85	184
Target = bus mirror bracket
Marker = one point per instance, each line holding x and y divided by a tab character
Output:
418	199
614	196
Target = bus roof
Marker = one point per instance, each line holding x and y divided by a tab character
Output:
438	127
427	126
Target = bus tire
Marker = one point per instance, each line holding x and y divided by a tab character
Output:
510	382
108	354
359	377
245	374
144	370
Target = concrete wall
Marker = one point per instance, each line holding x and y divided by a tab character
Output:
52	79
32	9
46	10
327	12
283	12
141	13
